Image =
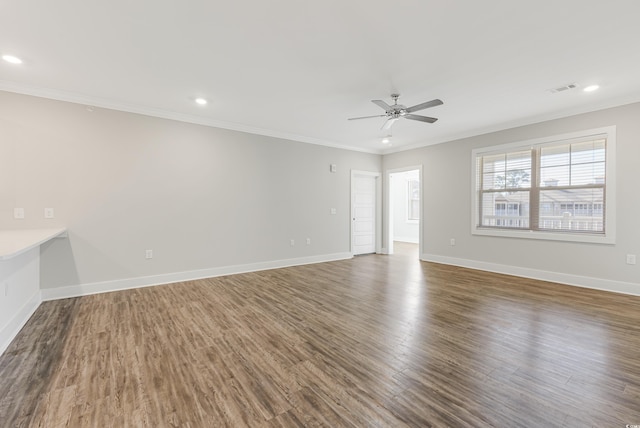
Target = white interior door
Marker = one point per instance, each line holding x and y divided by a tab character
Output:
363	214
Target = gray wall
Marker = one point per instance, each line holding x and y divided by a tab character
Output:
447	203
199	197
203	197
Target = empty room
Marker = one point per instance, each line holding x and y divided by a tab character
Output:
340	214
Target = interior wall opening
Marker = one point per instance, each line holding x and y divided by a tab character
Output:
404	210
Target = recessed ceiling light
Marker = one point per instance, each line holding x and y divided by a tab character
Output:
386	140
201	101
12	59
591	88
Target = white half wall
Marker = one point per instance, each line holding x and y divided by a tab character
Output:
447	209
19	293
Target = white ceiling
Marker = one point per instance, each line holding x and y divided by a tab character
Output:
298	69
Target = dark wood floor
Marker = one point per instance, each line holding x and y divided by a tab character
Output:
373	341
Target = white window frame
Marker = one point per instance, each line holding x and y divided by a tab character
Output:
609	235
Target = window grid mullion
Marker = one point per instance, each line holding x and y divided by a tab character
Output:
534	194
480	172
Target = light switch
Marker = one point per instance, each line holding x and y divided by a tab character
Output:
48	213
18	213
333	211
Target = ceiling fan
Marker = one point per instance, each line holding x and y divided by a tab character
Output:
396	111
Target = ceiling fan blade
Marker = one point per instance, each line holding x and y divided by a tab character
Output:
366	117
382	104
423	106
389	123
420	118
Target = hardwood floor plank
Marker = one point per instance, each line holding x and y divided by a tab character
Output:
316	412
29	364
382	341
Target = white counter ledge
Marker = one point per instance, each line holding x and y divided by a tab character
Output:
17	241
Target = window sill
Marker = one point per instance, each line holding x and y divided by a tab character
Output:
608	239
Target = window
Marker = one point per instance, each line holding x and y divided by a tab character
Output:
413	210
558	188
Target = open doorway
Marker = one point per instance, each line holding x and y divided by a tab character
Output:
404	208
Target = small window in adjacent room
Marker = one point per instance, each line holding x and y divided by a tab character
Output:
560	188
413	210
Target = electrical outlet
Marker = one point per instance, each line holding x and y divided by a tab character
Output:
18	213
308	241
292	242
148	254
333	211
631	259
452	242
48	213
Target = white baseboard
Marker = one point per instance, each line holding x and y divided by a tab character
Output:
147	281
562	278
11	330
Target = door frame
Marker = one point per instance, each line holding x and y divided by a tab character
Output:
389	209
378	203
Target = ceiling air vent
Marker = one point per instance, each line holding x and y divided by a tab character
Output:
563	88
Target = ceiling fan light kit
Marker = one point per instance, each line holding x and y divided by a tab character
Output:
398	111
